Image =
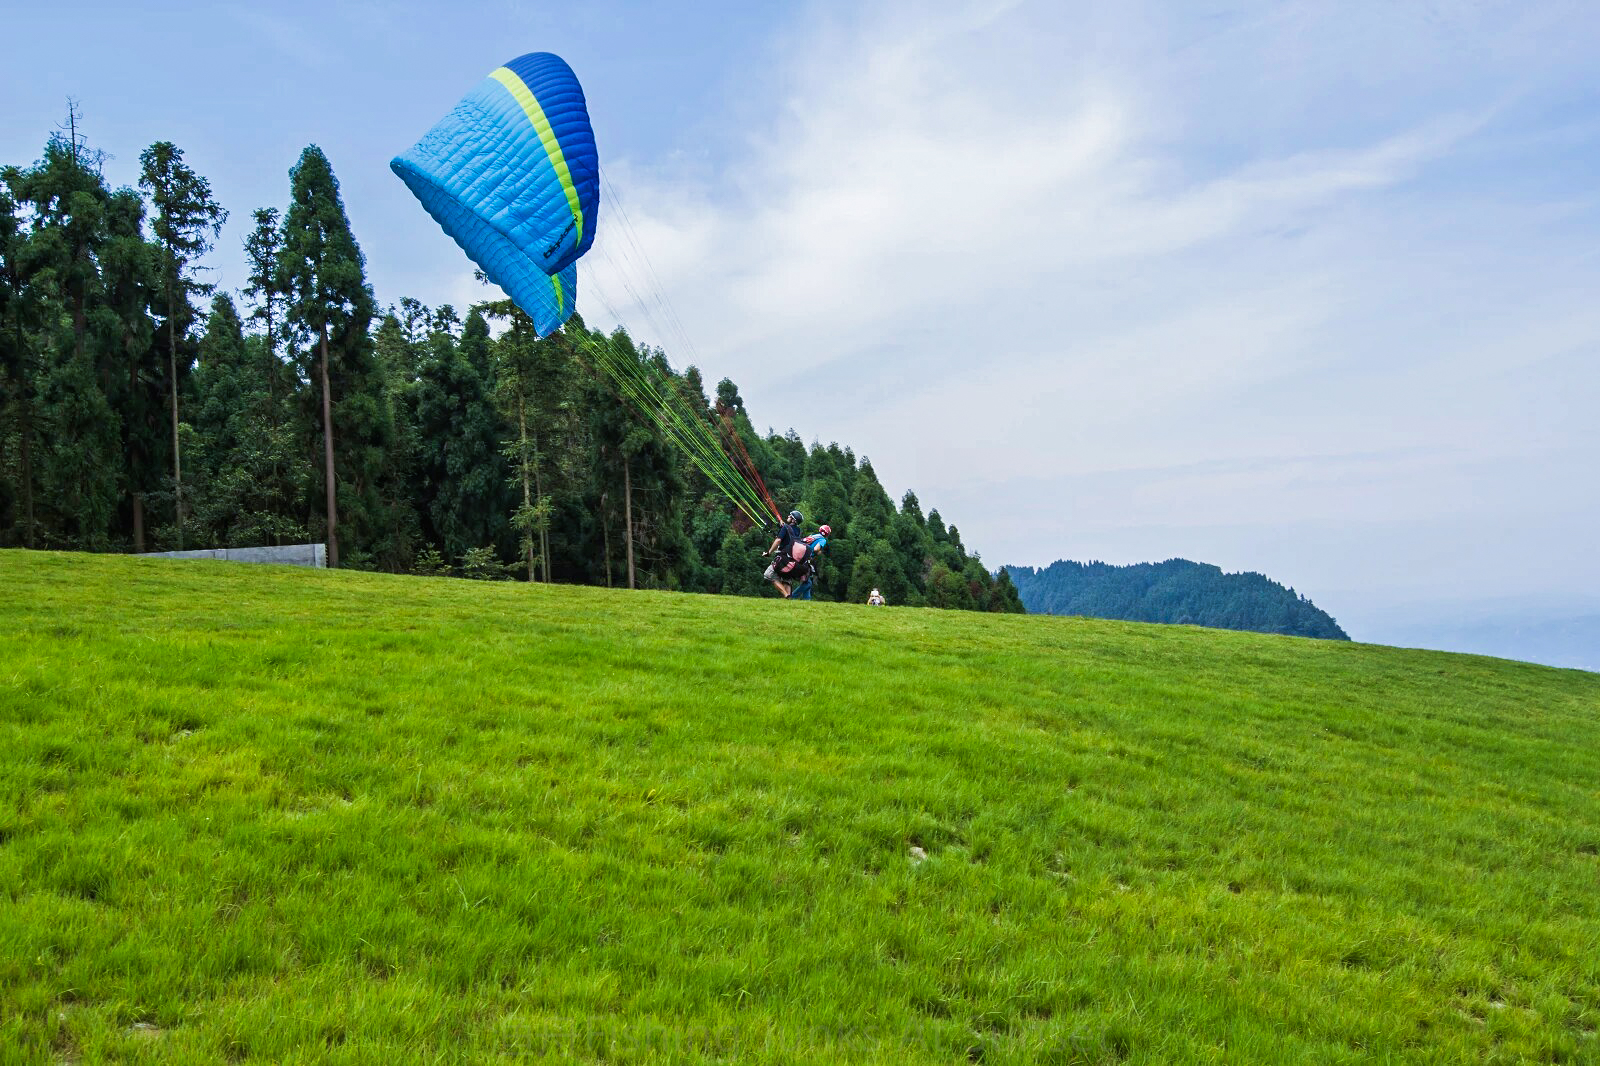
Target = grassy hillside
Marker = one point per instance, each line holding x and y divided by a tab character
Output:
259	814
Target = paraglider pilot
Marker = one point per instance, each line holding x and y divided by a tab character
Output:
797	565
788	534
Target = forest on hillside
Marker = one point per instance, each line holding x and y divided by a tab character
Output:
1176	591
142	410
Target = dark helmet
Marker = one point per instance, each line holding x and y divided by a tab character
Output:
796	517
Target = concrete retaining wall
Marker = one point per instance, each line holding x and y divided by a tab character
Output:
287	554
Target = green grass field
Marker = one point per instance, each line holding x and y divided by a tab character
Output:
260	814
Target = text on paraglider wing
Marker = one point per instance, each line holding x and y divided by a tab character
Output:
554	246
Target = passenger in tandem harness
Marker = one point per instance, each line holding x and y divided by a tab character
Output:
795	569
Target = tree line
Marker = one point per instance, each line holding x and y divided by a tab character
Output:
143	410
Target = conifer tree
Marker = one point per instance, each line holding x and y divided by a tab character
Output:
695	388
124	336
871	509
1003	598
250	463
80	474
186	222
22	311
414	317
223	385
399	357
912	509
825	501
948	589
908	535
322	271
876	567
220	402
10	245
263	250
740	561
78	428
68	197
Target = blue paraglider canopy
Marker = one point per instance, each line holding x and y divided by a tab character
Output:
512	174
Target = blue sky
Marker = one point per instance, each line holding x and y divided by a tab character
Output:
1308	288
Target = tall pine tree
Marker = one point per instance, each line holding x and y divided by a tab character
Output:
78	471
323	273
23	306
187	221
130	282
263	249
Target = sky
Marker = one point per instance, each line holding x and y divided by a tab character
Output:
1304	288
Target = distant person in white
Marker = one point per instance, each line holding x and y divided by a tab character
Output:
876	599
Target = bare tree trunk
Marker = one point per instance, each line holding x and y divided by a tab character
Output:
27	463
327	457
544	534
272	370
627	515
172	368
522	437
538	494
136	497
27	436
605	533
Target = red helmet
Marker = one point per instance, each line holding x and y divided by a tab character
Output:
826	531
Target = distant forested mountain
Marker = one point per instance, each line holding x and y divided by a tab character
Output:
1176	591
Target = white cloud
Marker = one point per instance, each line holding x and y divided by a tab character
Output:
898	186
1281	285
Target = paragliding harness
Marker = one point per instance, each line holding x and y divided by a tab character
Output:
805	570
785	538
804	565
